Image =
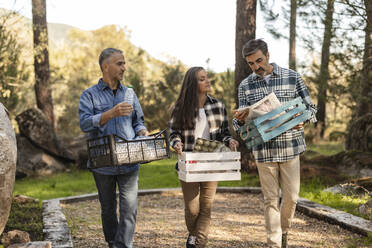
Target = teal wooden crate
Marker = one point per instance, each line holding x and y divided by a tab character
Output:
274	123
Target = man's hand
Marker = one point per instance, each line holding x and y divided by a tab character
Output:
122	109
143	132
233	144
298	126
240	116
178	147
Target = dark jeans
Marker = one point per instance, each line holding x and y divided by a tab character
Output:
118	234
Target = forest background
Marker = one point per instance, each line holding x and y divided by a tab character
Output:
333	34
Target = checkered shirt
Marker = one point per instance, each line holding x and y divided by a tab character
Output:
218	126
287	85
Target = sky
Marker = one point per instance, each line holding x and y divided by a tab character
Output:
192	31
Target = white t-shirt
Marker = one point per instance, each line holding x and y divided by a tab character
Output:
202	126
267	78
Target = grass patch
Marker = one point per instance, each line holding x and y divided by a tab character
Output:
75	182
28	218
313	191
325	148
157	174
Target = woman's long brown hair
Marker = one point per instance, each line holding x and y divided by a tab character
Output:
186	107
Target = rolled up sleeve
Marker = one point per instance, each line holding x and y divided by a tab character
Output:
88	121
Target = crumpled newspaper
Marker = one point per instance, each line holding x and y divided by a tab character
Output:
264	106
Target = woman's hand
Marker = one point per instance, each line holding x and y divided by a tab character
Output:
233	144
178	147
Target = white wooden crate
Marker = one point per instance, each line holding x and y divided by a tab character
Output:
209	166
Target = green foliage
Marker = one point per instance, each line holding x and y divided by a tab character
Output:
12	69
161	96
326	148
223	88
28	218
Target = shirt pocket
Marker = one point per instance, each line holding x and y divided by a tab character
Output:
101	108
285	95
255	97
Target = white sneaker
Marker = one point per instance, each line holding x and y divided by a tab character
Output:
191	241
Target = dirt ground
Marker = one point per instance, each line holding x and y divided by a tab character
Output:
237	221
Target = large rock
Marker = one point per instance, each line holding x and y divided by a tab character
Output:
8	160
349	189
15	237
34	125
78	146
33	161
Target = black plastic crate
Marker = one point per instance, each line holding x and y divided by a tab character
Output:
112	150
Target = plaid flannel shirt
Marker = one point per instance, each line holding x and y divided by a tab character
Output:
287	85
218	126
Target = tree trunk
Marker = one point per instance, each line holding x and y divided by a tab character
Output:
365	102
245	31
292	36
41	60
324	73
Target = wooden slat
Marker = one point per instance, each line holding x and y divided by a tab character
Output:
276	111
187	177
200	166
199	156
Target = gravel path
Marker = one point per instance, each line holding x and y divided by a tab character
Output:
237	221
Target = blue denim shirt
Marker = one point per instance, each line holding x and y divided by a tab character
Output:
99	99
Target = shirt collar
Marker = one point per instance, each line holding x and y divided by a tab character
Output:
103	86
209	99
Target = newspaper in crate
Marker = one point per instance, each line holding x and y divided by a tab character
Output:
205	145
265	105
142	149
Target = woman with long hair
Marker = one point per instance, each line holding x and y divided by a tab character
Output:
198	115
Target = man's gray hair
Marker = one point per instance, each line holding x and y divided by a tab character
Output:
107	53
253	46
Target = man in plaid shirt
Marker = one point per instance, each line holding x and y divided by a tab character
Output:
277	159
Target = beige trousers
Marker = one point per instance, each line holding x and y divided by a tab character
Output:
273	176
198	199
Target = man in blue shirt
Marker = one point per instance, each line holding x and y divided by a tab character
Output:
103	111
277	159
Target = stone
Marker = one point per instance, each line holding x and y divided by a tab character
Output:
33	161
346	220
15	237
348	189
8	161
34	125
366	209
38	244
22	199
78	147
56	229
